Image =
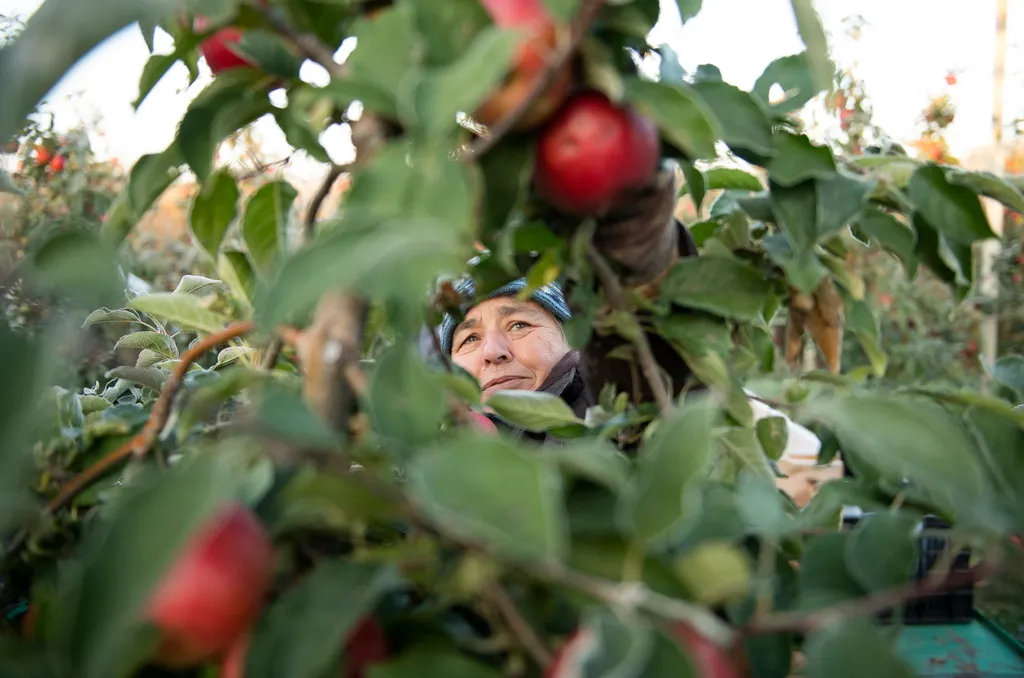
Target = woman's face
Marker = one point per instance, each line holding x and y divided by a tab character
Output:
508	344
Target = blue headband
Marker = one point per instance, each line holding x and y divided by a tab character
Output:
549	296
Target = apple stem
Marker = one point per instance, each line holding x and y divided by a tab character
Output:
579	28
617	298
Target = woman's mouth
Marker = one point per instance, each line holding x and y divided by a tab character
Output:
500	381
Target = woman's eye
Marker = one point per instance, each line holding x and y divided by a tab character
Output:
468	339
519	325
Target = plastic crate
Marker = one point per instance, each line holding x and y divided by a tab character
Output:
953	606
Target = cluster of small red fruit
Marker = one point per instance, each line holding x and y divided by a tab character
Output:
41	157
591	153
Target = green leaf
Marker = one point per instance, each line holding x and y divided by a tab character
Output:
721	285
596	460
954	210
386	58
906	437
213	210
235	99
269	53
852	649
808	23
300	132
76	264
406	402
688	9
840	197
463	85
1009	371
266	221
773	434
681	115
442	662
100	613
532	410
793	74
695	184
149	178
824	577
57	35
105	315
157	66
303	633
447	28
796	209
233	353
760	505
881	552
150	377
663	494
194	284
490	491
731	178
187	311
741	444
154	341
716	572
742	118
889	233
236	270
562	10
797	160
507	169
988	184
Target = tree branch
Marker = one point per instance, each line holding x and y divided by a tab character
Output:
318	200
619	302
309	46
588	12
521	630
140	444
807	622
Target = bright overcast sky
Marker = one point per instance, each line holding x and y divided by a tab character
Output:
906	49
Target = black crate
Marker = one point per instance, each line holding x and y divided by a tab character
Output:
951	606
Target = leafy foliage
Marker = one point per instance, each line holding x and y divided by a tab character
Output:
247	384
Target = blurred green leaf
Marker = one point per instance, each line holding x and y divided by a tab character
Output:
906	437
184	310
1009	371
793	75
773	434
853	649
889	233
808	23
213	210
533	410
662	496
386	59
463	85
729	178
716	572
154	341
194	284
717	284
990	185
150	377
954	210
797	159
695	184
265	223
442	662
680	113
56	36
447	28
881	552
343	499
596	460
744	122
562	10
123	563
77	265
235	269
406	403
491	491
303	633
270	53
760	504
824	577
688	9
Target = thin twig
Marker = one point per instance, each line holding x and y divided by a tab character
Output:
139	445
318	200
580	26
521	629
869	605
308	45
271	353
617	299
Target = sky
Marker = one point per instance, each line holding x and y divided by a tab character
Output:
906	49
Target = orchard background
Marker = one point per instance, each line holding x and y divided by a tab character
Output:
165	365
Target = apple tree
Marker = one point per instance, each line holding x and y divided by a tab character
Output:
283	484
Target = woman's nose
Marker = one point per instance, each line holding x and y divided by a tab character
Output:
496	349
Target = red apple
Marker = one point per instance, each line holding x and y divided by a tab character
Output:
366	646
709	660
482	423
214	591
57	164
220	52
537	47
592	153
43	156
